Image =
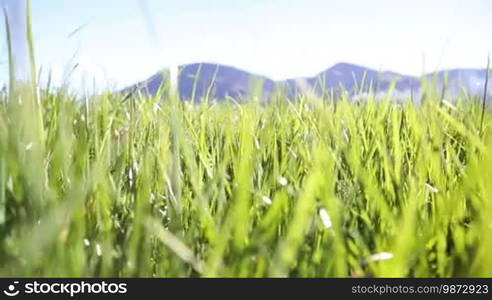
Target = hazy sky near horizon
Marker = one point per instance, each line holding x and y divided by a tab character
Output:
119	42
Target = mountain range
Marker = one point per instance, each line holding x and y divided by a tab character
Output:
217	82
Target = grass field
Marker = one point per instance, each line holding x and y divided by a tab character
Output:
143	187
137	186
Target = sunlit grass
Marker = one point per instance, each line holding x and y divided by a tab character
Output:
146	187
121	185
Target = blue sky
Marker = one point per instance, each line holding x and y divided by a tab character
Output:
124	41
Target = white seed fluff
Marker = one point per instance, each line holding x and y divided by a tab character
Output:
381	256
98	250
325	218
267	200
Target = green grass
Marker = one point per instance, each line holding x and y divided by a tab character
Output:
145	187
138	186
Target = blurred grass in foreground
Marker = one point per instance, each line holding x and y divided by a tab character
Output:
137	186
146	187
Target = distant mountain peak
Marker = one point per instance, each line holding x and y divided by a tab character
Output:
216	81
346	65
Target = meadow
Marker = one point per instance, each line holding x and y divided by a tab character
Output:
118	185
317	187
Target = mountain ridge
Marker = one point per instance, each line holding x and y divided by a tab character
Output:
218	81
